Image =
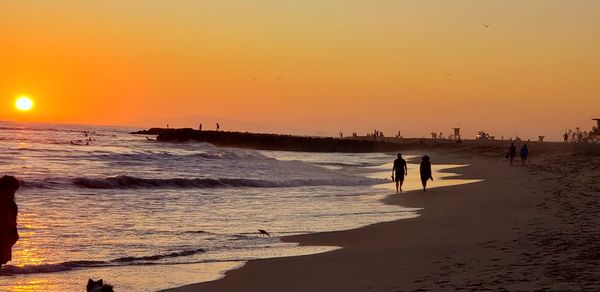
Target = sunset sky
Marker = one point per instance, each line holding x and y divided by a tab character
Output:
310	67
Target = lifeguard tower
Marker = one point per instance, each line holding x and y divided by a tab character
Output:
456	133
595	133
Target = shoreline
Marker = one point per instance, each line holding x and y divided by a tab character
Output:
521	228
388	255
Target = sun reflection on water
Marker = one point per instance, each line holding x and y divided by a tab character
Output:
26	285
28	251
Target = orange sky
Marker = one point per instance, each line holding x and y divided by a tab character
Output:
414	66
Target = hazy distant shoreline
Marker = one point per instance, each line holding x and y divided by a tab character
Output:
360	144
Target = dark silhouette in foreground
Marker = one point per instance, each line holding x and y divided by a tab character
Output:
524	153
511	153
400	172
98	286
264	232
8	217
425	170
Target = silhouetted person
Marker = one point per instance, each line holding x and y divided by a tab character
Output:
566	137
425	170
8	217
200	127
218	127
399	171
524	153
512	153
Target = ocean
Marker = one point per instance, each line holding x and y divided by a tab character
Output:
98	202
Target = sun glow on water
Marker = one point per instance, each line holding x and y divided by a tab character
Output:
24	103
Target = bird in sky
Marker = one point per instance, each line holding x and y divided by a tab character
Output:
486	25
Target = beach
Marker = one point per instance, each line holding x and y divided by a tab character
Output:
131	210
256	146
147	215
521	228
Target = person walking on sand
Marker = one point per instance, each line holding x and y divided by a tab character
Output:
400	171
524	153
425	170
8	217
511	153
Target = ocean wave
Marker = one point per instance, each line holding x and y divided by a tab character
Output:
156	257
50	268
155	156
66	266
129	182
41	184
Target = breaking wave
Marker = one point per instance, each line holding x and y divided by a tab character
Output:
66	266
129	182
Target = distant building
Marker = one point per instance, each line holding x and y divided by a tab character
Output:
481	135
594	135
456	133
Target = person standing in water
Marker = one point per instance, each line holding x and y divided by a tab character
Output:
400	171
425	170
8	217
524	153
512	153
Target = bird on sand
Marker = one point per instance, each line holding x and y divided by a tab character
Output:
264	232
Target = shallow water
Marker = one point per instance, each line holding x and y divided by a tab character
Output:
131	211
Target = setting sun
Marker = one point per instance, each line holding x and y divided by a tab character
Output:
24	103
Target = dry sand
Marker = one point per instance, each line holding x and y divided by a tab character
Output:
522	228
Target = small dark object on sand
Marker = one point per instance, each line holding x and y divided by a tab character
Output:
264	232
98	286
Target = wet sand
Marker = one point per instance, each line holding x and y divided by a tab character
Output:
522	228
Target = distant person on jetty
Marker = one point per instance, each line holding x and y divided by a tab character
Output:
511	153
8	217
425	170
399	171
524	153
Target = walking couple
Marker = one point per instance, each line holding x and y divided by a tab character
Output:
399	171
